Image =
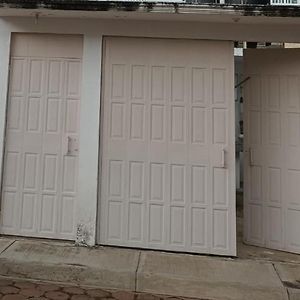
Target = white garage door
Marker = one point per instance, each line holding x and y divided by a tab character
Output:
272	140
40	165
167	179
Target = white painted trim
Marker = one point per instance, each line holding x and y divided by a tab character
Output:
4	74
99	212
86	210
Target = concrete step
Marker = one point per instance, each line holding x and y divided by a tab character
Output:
208	277
64	262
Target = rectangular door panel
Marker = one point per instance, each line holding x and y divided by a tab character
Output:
167	177
40	165
272	148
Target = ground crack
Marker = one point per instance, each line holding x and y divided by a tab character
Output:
136	271
283	282
293	285
7	247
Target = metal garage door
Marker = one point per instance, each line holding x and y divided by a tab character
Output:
167	179
41	148
272	141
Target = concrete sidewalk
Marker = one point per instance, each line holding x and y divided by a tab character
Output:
204	277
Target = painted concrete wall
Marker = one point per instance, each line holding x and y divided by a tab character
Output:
86	211
93	31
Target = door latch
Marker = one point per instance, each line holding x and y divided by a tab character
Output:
251	157
223	163
72	145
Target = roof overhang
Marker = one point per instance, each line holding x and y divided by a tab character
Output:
188	11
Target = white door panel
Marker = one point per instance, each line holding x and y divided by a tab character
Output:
167	179
39	182
272	133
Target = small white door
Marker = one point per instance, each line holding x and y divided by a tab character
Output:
272	144
41	146
167	179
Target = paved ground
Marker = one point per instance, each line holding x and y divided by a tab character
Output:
256	274
153	272
12	289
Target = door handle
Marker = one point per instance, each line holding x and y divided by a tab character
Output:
72	146
250	157
223	158
68	145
